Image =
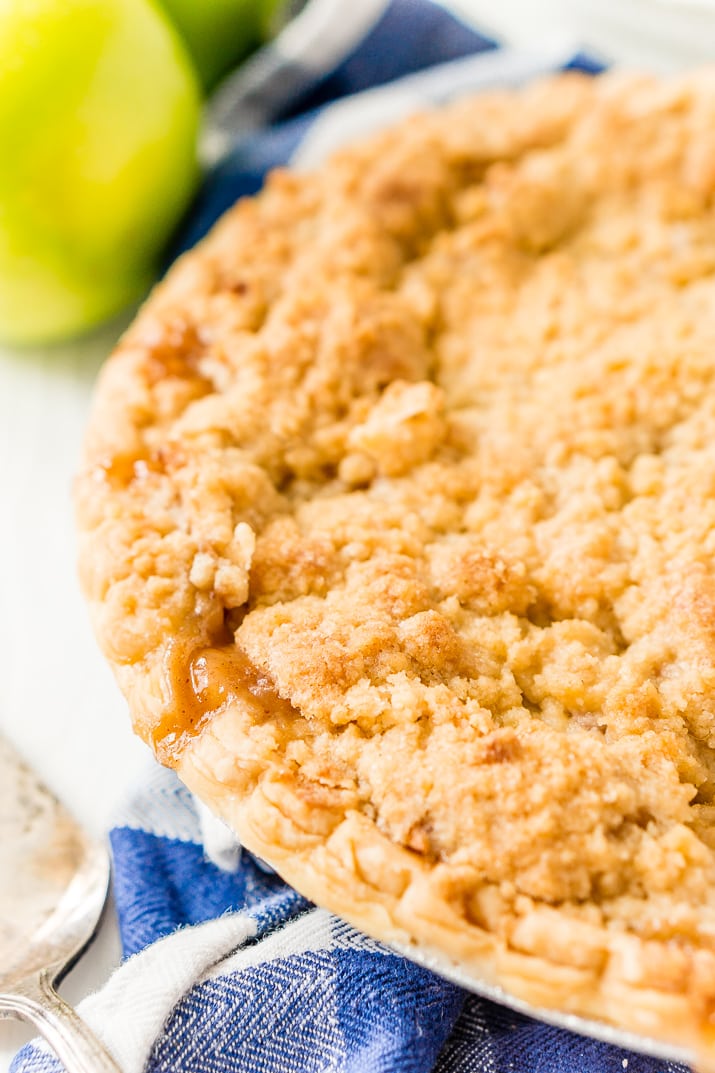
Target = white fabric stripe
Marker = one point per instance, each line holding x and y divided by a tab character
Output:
315	930
311	44
310	931
160	805
129	1012
366	112
220	844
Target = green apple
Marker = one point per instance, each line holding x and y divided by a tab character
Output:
220	33
99	110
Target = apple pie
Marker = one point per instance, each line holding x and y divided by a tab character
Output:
397	518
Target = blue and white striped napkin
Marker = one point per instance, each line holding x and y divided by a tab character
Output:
227	969
234	972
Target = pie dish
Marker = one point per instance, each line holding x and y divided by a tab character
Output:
397	519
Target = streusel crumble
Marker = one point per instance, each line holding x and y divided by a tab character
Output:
398	529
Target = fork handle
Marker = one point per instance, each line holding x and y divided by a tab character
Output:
78	1049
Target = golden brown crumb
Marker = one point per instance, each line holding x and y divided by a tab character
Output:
424	442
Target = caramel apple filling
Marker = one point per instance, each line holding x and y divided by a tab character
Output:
202	681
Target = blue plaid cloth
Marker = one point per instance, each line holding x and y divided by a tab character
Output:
233	971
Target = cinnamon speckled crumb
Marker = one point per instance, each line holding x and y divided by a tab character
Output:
428	435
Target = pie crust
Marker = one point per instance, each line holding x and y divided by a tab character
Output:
397	522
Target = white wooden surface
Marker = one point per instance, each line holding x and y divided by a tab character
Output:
58	702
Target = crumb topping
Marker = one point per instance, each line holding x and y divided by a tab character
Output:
426	438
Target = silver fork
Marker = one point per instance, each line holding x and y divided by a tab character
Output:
53	885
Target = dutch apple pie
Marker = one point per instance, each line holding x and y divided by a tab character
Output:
398	530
